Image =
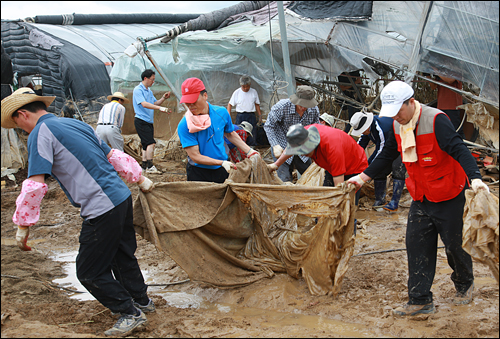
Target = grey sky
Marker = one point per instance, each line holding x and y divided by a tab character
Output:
23	9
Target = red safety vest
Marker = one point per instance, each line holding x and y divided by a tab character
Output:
435	174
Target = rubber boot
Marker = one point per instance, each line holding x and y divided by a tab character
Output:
380	186
397	189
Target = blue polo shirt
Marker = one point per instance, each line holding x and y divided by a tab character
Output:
211	140
142	94
70	151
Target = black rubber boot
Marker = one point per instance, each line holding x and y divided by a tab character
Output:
397	189
380	186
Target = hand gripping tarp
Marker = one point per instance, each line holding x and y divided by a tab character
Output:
480	232
251	226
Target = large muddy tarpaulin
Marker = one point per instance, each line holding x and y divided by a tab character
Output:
251	226
480	233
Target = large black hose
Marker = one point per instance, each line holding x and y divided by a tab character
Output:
99	19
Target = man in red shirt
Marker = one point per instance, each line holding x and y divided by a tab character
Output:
331	148
448	100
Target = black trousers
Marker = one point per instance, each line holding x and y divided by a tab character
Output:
106	265
425	221
195	173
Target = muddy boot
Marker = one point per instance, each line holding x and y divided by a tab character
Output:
397	189
380	186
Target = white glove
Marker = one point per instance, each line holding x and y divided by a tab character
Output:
146	185
252	152
164	109
228	165
477	184
356	180
277	150
22	237
272	167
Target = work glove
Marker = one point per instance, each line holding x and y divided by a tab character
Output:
477	184
164	109
228	165
146	185
356	180
252	152
22	237
277	150
272	167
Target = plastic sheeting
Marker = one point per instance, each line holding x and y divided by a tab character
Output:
253	225
480	232
453	38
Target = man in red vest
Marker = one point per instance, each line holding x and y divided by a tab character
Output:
439	167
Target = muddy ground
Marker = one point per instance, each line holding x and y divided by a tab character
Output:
34	306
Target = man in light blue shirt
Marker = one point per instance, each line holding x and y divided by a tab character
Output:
144	105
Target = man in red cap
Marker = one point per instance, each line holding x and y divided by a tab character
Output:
201	132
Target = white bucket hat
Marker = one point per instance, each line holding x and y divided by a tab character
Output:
247	127
329	119
392	96
18	99
360	122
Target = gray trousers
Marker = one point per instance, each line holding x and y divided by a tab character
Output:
111	135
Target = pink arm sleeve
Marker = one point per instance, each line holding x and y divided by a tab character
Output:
28	203
124	164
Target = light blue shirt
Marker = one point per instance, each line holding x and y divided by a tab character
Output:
70	151
211	140
142	94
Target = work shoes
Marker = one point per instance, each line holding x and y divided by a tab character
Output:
150	307
464	298
414	309
126	324
152	170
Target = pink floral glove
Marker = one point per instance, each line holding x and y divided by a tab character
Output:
28	203
125	165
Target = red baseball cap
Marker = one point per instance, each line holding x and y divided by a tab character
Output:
191	89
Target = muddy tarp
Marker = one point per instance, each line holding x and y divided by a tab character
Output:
253	225
480	232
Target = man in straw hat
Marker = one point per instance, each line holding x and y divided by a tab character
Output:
300	108
377	129
110	121
87	170
439	167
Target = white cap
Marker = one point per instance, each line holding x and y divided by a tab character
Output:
392	96
360	122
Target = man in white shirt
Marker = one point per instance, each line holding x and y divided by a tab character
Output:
246	103
110	121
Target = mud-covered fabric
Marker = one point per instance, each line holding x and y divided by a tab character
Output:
253	225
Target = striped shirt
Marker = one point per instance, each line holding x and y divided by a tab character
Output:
112	113
282	117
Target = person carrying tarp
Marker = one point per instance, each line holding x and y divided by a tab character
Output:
330	148
87	170
144	105
439	168
201	132
377	130
300	108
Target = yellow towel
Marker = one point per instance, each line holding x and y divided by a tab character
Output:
408	143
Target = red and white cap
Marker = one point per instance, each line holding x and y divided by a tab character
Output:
191	89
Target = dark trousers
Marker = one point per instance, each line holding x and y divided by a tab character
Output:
425	221
397	168
106	265
251	118
195	173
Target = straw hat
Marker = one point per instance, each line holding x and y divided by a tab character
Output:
18	99
118	95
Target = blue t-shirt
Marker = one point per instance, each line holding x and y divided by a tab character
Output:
211	140
142	94
70	151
